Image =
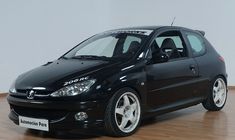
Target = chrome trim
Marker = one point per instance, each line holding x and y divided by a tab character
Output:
39	88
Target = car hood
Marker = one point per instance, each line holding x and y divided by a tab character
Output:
53	74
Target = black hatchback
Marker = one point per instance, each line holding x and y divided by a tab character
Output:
115	79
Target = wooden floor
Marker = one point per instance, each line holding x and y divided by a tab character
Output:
193	123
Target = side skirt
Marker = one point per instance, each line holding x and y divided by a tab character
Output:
171	107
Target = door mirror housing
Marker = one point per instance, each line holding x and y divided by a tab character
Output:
160	58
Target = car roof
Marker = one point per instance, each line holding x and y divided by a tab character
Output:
151	27
158	27
140	28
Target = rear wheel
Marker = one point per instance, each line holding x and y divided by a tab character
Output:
123	113
217	96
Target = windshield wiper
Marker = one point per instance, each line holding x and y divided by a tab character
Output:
90	57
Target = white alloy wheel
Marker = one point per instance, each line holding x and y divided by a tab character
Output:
219	92
127	112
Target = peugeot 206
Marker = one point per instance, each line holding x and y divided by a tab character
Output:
115	79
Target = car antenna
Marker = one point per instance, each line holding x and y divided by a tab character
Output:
173	21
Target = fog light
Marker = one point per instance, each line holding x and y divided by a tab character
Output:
81	116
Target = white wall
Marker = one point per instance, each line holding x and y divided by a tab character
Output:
34	32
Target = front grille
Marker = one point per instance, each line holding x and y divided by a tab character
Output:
39	113
37	92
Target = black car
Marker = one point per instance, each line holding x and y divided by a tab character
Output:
115	79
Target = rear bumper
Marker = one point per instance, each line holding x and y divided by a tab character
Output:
60	114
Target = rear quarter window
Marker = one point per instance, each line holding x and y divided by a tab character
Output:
196	43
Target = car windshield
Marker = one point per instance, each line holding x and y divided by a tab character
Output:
108	45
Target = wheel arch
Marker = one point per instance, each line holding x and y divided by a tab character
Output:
223	76
141	96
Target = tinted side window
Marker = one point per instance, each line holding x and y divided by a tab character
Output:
196	43
170	43
176	39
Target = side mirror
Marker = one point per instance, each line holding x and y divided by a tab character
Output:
160	58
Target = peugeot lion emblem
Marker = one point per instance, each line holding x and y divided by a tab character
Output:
30	94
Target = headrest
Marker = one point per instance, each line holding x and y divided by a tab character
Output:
134	46
168	43
155	48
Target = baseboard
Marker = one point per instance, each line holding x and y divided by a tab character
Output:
231	87
3	94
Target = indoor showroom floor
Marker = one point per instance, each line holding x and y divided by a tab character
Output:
193	123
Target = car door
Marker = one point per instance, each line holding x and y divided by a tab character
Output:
170	83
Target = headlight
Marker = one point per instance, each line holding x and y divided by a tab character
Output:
12	88
74	89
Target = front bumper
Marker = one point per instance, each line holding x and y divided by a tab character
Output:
60	114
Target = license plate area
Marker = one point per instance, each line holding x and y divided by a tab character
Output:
34	123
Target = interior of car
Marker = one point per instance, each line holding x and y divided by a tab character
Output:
169	43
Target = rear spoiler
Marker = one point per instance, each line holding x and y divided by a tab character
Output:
201	32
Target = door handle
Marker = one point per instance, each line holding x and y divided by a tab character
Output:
193	68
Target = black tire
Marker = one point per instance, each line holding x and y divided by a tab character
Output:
209	103
111	126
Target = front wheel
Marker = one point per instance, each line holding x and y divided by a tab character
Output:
217	96
123	113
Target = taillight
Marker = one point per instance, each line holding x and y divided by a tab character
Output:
221	58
